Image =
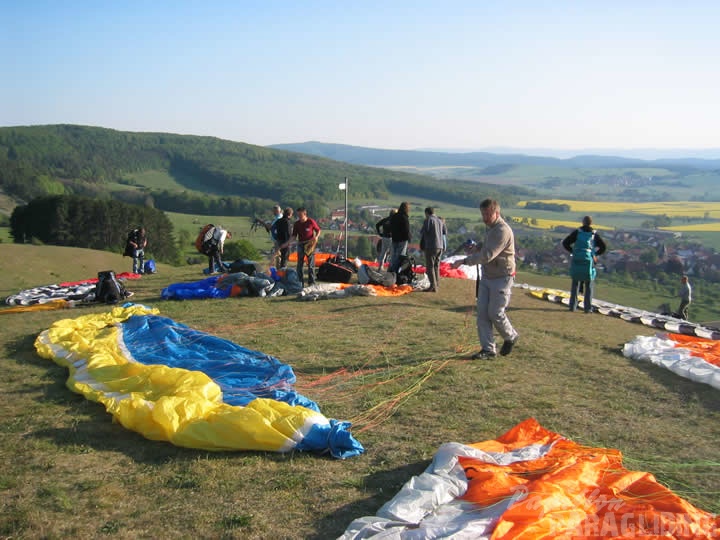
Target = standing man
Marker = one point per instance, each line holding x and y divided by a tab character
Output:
585	245
685	297
400	235
432	243
497	257
383	229
284	230
306	230
277	216
136	242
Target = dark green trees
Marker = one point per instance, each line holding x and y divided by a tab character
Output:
68	220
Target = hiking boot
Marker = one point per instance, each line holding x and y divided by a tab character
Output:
483	355
508	345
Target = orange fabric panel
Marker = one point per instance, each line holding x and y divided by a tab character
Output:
396	290
707	349
319	257
575	491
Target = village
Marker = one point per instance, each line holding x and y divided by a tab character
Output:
648	254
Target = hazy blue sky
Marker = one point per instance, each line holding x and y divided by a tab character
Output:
388	74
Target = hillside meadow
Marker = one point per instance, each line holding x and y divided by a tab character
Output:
397	368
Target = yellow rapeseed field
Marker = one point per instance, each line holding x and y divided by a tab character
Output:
695	227
696	209
685	209
539	223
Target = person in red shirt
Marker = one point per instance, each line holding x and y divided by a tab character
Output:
306	231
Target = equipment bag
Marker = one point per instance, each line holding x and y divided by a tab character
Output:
149	267
405	273
334	273
108	289
204	240
342	261
244	266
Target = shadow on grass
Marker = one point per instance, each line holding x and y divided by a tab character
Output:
383	485
689	390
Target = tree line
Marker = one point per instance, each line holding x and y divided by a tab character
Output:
71	220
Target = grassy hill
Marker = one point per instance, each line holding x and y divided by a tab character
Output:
191	174
396	367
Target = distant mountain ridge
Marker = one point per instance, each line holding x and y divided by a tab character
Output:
431	158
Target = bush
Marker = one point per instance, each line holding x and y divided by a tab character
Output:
242	249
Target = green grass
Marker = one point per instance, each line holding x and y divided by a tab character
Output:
66	470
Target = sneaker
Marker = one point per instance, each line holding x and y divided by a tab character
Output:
483	355
508	345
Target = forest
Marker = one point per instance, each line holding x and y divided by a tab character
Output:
71	220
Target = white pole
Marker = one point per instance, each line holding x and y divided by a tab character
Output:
347	188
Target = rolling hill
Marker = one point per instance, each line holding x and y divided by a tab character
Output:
203	175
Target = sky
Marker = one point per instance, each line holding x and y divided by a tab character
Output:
446	74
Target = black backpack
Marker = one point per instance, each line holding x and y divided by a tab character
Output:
405	273
108	289
133	236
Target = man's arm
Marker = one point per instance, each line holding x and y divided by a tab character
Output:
600	244
569	241
379	225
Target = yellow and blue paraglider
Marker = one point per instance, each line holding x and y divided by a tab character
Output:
172	383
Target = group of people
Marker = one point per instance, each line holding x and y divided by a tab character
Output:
395	236
496	254
304	231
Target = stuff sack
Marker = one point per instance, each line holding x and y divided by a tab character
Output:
108	289
405	273
342	261
149	267
205	241
334	273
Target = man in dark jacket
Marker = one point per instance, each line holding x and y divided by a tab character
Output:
283	232
383	228
585	245
400	234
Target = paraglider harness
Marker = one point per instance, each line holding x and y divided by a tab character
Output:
108	289
405	273
584	247
582	266
135	237
206	242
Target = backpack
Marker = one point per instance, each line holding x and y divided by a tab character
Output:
108	289
582	266
133	236
205	241
405	273
584	246
150	267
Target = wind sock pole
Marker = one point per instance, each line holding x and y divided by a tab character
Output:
347	188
